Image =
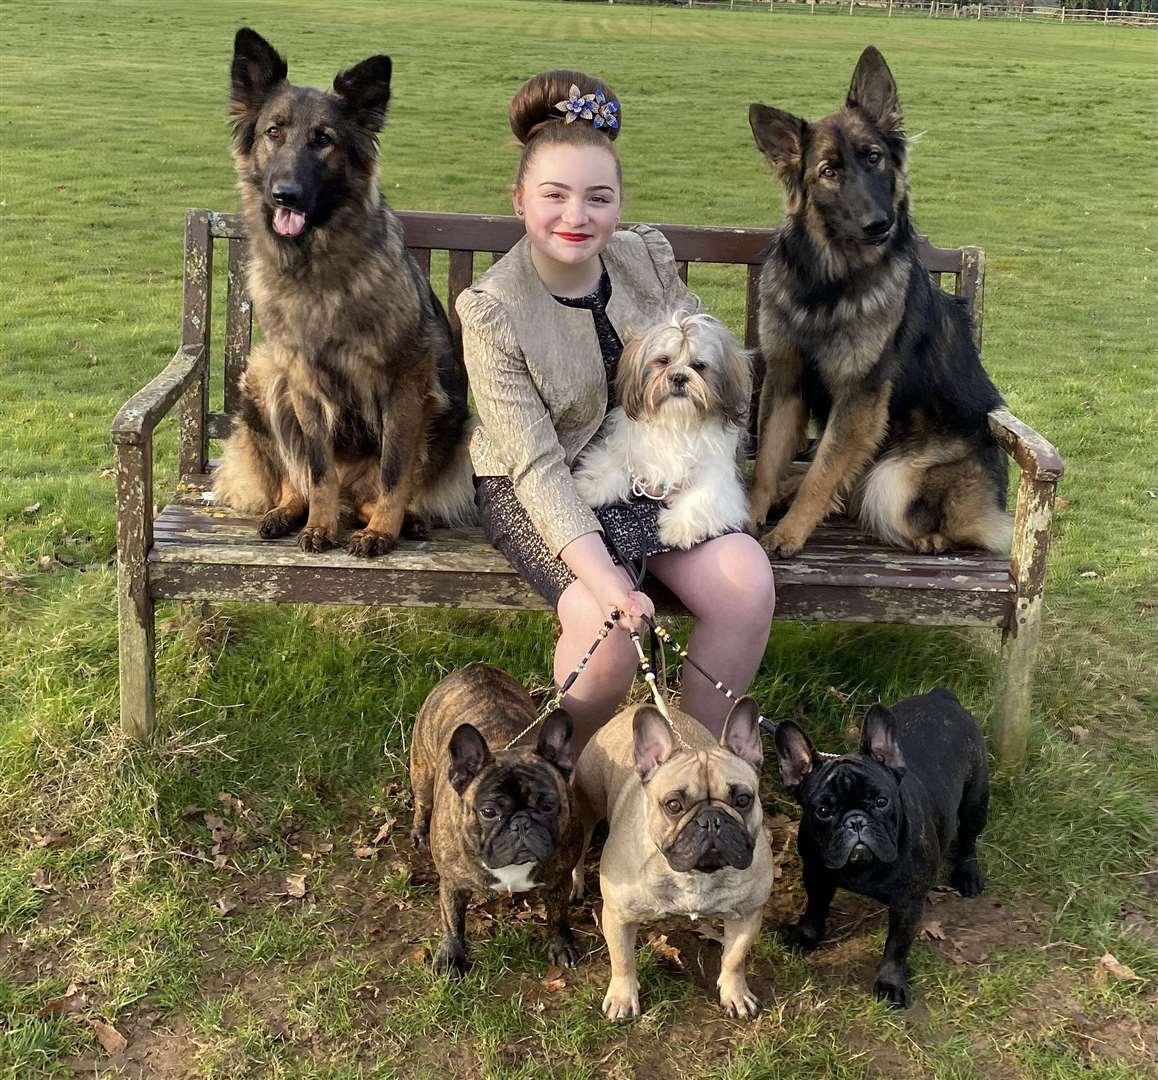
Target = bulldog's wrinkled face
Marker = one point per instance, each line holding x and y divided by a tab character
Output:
852	804
702	808
519	800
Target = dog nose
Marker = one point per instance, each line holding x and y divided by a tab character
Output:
286	193
712	820
877	226
680	379
519	823
856	822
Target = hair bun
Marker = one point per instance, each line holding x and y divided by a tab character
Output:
533	107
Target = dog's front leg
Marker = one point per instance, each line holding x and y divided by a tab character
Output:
451	956
892	982
854	430
321	528
738	1001
403	430
809	930
622	997
780	432
561	949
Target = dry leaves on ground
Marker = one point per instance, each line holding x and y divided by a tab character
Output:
665	950
1109	965
554	980
108	1036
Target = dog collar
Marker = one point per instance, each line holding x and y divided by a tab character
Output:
640	489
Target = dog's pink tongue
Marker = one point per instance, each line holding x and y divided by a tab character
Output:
288	222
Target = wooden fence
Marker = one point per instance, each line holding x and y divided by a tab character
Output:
941	9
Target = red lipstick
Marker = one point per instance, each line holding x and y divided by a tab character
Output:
575	237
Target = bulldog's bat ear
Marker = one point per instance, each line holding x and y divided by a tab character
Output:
653	741
742	732
878	739
555	742
469	755
794	754
873	93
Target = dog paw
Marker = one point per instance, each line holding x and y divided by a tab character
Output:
450	960
892	986
799	937
367	543
562	951
967	878
420	838
930	544
621	999
679	534
277	523
784	541
737	1000
317	538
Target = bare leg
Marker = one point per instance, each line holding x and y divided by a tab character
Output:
622	997
737	1000
600	690
727	584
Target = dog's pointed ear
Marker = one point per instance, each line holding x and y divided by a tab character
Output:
364	90
873	93
878	739
555	742
469	755
653	741
742	733
794	754
257	69
780	137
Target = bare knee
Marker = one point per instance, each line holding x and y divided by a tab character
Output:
746	586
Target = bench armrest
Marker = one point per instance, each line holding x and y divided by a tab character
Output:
139	415
1037	458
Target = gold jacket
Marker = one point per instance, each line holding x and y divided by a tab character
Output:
537	374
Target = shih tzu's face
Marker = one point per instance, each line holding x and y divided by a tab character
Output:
684	371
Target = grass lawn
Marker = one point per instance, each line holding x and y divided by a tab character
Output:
160	890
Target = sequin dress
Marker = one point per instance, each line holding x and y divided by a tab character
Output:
633	527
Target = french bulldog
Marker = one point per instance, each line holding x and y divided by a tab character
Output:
880	821
493	819
685	838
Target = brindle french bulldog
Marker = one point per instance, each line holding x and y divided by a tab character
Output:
494	819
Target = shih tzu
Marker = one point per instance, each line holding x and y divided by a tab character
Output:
675	437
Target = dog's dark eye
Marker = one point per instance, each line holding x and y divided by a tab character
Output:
874	157
828	172
674	806
488	812
742	801
322	139
663	361
882	802
273	131
824	811
698	365
547	806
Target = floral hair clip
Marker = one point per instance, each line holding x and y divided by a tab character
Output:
594	107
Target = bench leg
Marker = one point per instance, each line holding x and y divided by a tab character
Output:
135	609
1027	559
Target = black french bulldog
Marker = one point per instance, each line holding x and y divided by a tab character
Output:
878	822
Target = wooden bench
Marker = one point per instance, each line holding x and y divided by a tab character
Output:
196	551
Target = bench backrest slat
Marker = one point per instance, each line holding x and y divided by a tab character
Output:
464	235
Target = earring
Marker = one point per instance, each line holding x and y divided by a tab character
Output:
518	213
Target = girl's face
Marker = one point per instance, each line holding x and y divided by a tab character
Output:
570	201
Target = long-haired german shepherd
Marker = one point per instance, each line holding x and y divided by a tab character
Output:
357	397
855	335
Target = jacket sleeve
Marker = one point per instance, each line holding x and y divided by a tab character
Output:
677	296
518	425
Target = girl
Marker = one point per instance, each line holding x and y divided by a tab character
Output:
542	333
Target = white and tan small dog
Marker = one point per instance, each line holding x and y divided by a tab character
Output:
684	387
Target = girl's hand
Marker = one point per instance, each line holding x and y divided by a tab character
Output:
632	607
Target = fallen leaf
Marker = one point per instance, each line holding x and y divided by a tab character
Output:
931	929
365	852
554	980
223	906
74	1001
1078	733
663	949
1109	964
40	881
419	955
838	695
219	830
1062	504
324	849
44	563
295	886
384	831
50	838
220	862
231	803
111	1039
1088	574
34	508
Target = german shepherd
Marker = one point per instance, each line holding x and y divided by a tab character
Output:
855	335
356	400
